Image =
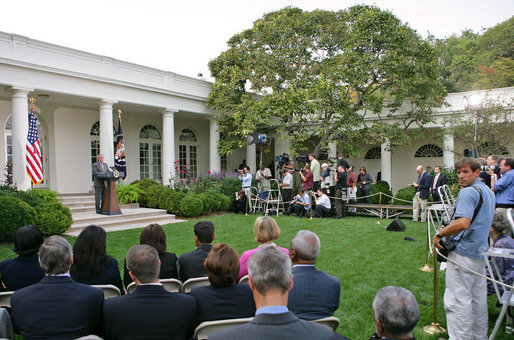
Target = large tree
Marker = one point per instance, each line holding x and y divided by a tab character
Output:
335	76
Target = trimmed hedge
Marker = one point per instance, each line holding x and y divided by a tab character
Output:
144	184
14	214
407	194
170	200
153	196
191	206
53	218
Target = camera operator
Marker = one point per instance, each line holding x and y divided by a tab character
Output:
288	163
287	187
342	161
364	179
352	189
301	204
306	175
340	197
504	187
465	297
239	203
323	206
327	180
316	171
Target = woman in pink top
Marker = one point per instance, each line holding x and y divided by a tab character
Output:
266	231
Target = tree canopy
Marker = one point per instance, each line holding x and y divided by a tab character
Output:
299	74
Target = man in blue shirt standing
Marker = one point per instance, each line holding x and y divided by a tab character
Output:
246	176
465	297
504	187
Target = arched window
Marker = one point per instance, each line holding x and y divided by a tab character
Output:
374	153
429	150
188	153
150	153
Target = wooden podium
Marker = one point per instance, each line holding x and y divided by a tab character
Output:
110	205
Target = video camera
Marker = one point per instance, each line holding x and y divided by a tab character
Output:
302	159
487	167
282	159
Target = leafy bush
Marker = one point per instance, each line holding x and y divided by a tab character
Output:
191	206
406	194
376	188
14	214
35	197
225	202
383	184
207	202
229	185
6	190
215	194
144	184
170	200
128	193
53	218
153	196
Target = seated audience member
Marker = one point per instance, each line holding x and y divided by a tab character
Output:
323	206
301	204
57	307
315	295
395	313
224	298
266	230
153	235
239	204
24	270
500	239
91	265
271	280
191	263
150	312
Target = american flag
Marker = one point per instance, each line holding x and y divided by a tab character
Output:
33	159
119	156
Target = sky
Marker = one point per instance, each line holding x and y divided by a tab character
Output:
183	36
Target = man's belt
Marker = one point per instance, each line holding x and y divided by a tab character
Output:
500	205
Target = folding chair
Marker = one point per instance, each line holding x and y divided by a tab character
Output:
172	285
331	321
195	282
131	287
109	291
254	200
5	299
204	329
506	298
244	279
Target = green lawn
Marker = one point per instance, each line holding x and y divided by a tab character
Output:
357	250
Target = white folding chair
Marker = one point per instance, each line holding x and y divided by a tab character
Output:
131	287
5	299
254	200
274	200
506	297
195	282
109	291
172	285
331	321
204	329
244	279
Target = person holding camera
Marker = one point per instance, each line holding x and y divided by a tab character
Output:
316	171
364	179
327	180
504	187
306	175
287	187
341	180
465	297
301	204
323	206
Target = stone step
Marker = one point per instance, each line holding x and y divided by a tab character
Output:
76	199
93	217
80	204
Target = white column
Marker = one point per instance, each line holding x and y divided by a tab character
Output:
168	145
106	128
20	128
332	151
251	157
214	137
385	162
448	151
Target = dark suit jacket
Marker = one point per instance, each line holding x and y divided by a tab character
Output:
218	303
275	326
315	294
441	180
168	268
57	308
424	186
98	169
21	272
109	276
191	264
150	312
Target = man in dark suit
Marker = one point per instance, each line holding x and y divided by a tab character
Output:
150	312
395	313
438	181
191	263
271	280
99	167
315	295
420	199
57	307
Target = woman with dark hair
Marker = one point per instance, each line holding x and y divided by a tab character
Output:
153	235
223	299
24	270
91	265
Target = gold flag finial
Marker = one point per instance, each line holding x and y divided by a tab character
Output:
119	112
32	100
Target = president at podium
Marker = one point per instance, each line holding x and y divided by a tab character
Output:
99	168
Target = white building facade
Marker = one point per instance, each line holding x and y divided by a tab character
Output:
165	119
